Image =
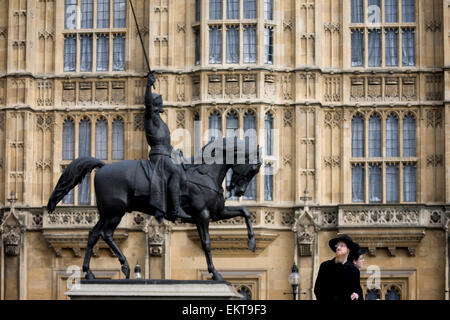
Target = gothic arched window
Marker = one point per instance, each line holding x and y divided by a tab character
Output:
357	136
392	136
101	139
250	132
84	150
375	136
268	128
117	139
68	147
215	126
409	136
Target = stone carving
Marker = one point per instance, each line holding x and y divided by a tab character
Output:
374	88
85	94
68	93
2	121
101	92
332	162
11	242
44	122
180	88
287	24
232	221
249	86
434	118
435	218
181	27
333	119
328	218
118	92
391	91
269	85
232	86
36	220
45	93
333	27
409	88
434	88
332	89
433	26
156	234
3	32
45	34
181	115
214	86
269	217
287	160
288	118
44	164
357	91
138	219
287	87
287	219
434	160
138	122
87	217
388	216
254	217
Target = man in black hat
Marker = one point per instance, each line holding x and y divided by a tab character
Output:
338	278
356	256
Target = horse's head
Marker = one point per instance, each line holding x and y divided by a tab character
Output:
243	174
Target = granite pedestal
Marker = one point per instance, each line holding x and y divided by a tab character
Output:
137	289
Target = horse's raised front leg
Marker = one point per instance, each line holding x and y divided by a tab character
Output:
202	222
231	212
107	235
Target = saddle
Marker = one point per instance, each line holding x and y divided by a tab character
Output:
144	176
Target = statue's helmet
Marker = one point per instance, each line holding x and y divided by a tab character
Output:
157	99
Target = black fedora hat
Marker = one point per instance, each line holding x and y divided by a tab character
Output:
344	238
354	254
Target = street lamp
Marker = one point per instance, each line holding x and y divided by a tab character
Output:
294	280
137	271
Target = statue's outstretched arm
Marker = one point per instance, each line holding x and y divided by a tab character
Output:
149	108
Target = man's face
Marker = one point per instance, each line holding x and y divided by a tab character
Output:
159	107
359	263
342	249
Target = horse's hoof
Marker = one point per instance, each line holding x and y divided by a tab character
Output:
126	270
217	276
89	275
252	244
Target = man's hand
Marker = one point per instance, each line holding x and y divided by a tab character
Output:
354	296
151	79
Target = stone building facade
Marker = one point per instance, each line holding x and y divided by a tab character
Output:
357	94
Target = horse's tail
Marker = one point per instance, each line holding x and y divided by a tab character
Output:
72	176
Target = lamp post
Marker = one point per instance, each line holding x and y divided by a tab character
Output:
294	280
137	271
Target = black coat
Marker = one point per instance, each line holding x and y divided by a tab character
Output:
337	281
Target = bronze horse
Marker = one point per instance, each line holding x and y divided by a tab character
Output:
202	198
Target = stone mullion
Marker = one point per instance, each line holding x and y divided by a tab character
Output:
400	182
260	33
447	149
261	140
346	37
76	120
91	182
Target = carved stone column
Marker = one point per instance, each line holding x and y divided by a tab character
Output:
306	237
157	240
12	237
